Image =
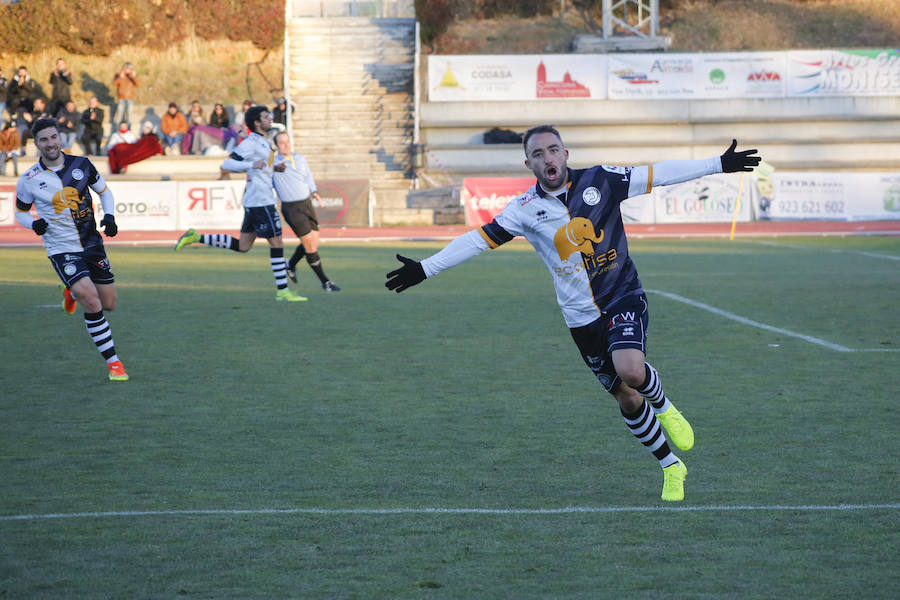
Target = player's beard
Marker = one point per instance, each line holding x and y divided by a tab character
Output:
552	178
51	154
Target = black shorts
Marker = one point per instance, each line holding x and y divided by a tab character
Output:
624	326
262	220
300	216
92	262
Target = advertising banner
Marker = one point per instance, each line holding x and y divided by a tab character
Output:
143	206
516	77
843	73
709	199
210	204
485	197
649	76
834	196
344	201
7	204
699	76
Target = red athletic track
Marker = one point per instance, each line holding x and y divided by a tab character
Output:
17	236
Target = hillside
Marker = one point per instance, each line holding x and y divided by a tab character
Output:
700	26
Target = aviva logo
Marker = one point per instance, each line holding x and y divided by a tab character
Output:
65	198
576	236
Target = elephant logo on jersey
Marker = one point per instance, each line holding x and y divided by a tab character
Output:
65	198
576	236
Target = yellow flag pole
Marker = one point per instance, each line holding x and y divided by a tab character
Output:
737	206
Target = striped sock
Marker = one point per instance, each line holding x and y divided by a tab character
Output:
646	428
652	390
219	240
98	329
279	267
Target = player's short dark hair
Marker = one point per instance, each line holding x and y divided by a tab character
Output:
536	130
42	124
253	115
280	133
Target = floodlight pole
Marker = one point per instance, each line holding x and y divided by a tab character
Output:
617	13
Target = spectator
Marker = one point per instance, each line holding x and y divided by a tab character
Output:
122	135
147	129
126	83
22	92
92	136
60	79
68	120
173	128
4	88
196	116
9	148
279	115
238	127
25	120
219	117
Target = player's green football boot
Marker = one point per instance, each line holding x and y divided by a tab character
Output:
673	485
678	428
287	295
190	237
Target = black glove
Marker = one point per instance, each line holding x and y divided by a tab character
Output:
733	162
39	226
410	274
108	223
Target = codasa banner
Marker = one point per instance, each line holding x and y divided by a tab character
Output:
516	77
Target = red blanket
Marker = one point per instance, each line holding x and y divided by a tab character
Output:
122	155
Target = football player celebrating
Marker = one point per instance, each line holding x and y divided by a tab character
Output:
58	188
573	220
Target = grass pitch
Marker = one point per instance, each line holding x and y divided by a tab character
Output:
367	444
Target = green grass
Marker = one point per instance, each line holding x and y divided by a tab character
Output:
463	393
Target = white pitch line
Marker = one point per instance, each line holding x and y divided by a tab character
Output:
451	511
752	323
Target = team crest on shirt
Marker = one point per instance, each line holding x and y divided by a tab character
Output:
591	196
77	174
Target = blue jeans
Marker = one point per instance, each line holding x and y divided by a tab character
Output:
4	157
123	112
67	139
173	140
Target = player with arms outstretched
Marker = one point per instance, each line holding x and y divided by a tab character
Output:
573	220
58	189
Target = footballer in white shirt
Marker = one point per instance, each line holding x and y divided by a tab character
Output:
59	188
572	218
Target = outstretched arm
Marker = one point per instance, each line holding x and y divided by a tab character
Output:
669	172
466	246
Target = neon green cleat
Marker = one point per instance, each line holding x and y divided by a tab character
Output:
678	428
673	485
287	295
190	237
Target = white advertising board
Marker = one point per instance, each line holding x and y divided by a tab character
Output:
834	196
210	204
699	76
516	77
843	73
709	199
143	205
